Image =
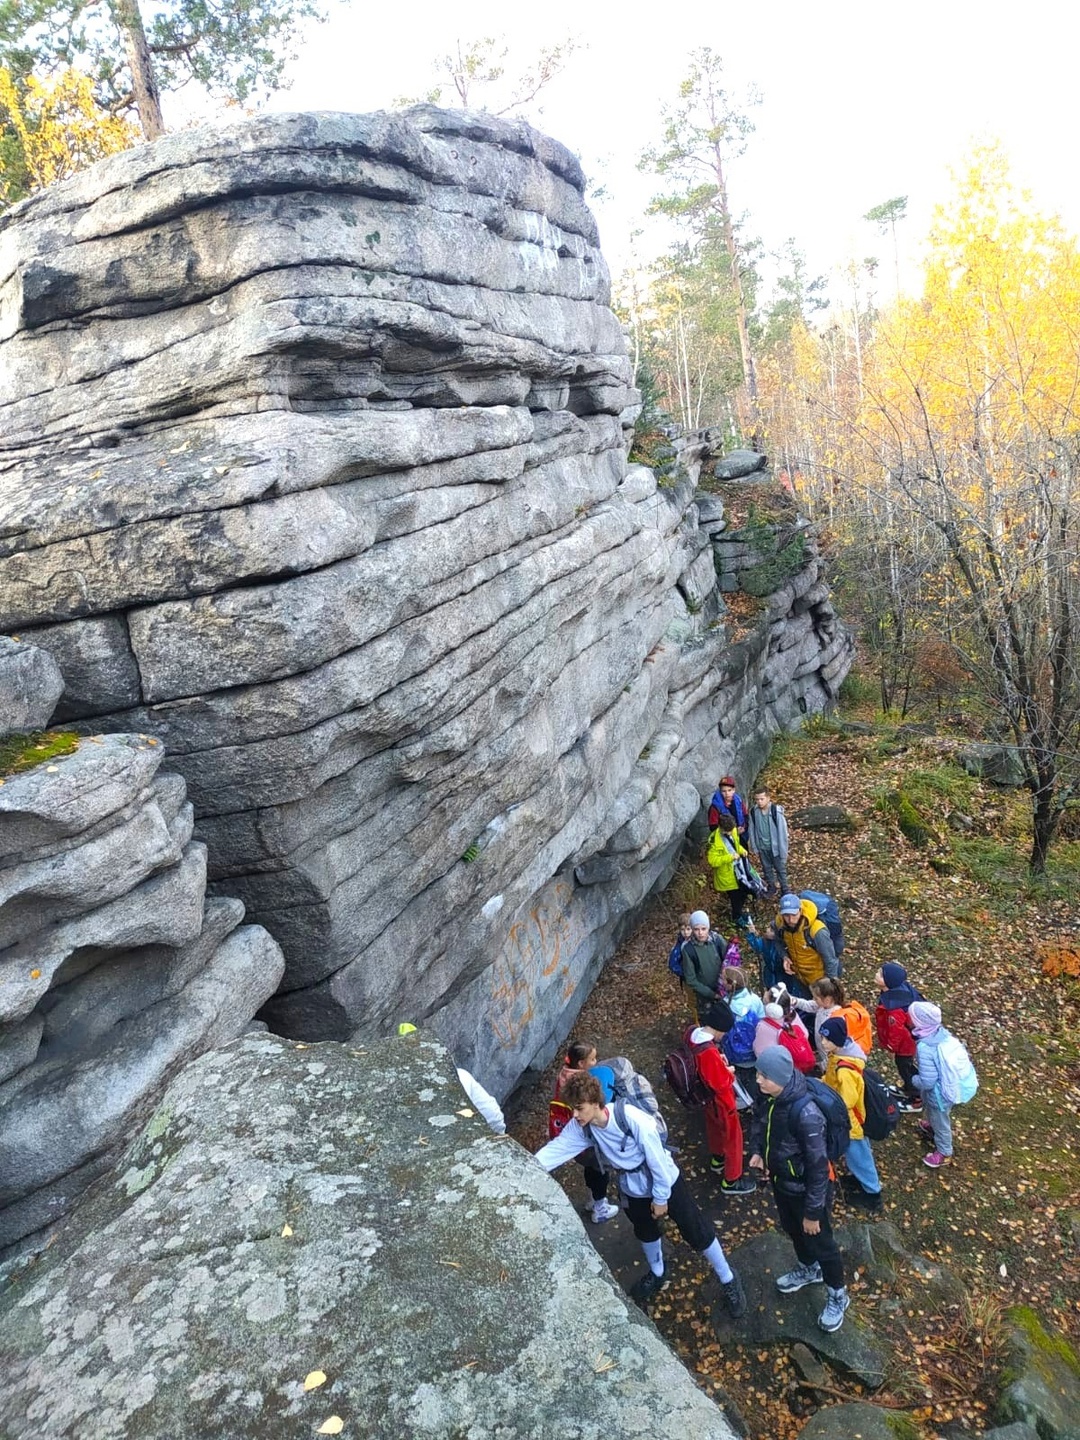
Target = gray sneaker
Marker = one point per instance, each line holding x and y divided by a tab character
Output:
832	1317
801	1276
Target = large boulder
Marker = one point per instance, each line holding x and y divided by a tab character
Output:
999	764
309	1232
860	1421
30	686
115	967
313	467
775	1319
1042	1378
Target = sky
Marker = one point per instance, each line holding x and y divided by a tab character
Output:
859	103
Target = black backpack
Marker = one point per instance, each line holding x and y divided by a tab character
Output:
882	1111
837	1124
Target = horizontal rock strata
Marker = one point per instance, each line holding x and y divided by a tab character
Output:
295	1209
115	966
313	468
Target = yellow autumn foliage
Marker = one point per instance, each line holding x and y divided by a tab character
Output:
51	129
985	365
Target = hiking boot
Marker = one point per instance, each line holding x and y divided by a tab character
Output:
936	1159
832	1317
867	1200
734	1296
648	1287
799	1278
743	1186
603	1210
909	1107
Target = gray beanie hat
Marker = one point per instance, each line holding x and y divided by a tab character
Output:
699	917
776	1064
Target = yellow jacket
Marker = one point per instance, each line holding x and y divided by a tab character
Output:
806	960
721	857
844	1074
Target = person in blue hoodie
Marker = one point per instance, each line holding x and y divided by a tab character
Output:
727	801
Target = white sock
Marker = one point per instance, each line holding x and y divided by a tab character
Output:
654	1254
718	1260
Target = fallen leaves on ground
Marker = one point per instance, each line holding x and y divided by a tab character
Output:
1004	1216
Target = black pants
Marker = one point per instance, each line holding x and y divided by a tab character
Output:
595	1179
820	1248
907	1066
737	900
683	1209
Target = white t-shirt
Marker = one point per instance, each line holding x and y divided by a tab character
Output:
644	1167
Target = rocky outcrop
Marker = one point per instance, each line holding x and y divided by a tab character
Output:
304	1233
313	468
1041	1381
30	686
115	969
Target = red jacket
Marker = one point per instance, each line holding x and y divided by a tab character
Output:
894	1030
713	1069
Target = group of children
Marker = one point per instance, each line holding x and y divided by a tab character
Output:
801	1045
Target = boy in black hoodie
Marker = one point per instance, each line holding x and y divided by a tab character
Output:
788	1141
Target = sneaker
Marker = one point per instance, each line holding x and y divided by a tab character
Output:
936	1159
734	1296
743	1186
832	1317
909	1107
798	1278
603	1210
649	1286
925	1128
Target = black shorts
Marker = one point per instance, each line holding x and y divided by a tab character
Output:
683	1210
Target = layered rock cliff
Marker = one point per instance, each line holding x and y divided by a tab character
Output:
312	466
115	969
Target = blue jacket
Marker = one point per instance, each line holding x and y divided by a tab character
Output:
928	1079
772	960
737	811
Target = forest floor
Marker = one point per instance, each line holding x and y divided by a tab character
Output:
1003	962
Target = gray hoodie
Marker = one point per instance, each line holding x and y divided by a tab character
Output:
768	831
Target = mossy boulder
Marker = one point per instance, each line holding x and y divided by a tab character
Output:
1042	1379
915	829
868	1422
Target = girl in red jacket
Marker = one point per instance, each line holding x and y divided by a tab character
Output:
723	1131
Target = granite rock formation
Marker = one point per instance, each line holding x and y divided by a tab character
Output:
294	1209
115	969
313	467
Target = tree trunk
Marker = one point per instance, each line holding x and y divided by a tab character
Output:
1044	821
144	82
745	352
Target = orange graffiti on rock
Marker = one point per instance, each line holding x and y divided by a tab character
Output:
533	955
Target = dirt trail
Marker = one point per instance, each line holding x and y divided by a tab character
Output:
1005	1217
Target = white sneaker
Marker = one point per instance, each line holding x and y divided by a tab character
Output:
603	1210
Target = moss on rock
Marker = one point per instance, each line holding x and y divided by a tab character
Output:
23	752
